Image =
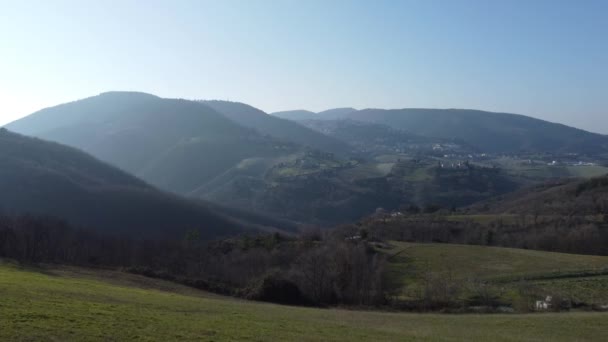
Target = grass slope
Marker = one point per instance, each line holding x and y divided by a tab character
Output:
51	305
566	274
468	261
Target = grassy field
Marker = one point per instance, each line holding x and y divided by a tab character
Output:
588	289
555	273
70	304
484	262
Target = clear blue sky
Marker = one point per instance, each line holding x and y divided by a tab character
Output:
547	59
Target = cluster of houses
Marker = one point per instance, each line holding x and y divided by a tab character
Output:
578	163
454	165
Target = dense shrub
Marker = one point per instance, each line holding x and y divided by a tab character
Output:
276	288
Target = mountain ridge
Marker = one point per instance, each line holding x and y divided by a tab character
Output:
284	129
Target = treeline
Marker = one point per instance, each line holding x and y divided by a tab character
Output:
314	269
567	234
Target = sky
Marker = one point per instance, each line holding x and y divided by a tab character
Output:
547	59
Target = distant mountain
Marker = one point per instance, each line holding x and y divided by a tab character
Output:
177	145
485	131
490	132
249	116
336	113
374	139
41	177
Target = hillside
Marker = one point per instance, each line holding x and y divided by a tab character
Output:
375	139
283	129
485	131
563	216
41	177
75	304
565	197
503	271
176	145
308	187
316	187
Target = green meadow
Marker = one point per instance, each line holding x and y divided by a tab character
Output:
73	304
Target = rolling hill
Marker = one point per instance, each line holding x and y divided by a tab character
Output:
317	187
46	178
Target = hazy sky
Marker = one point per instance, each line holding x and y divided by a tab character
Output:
547	59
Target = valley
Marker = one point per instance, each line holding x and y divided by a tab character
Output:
323	172
200	214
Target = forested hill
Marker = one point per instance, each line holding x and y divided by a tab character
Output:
41	177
